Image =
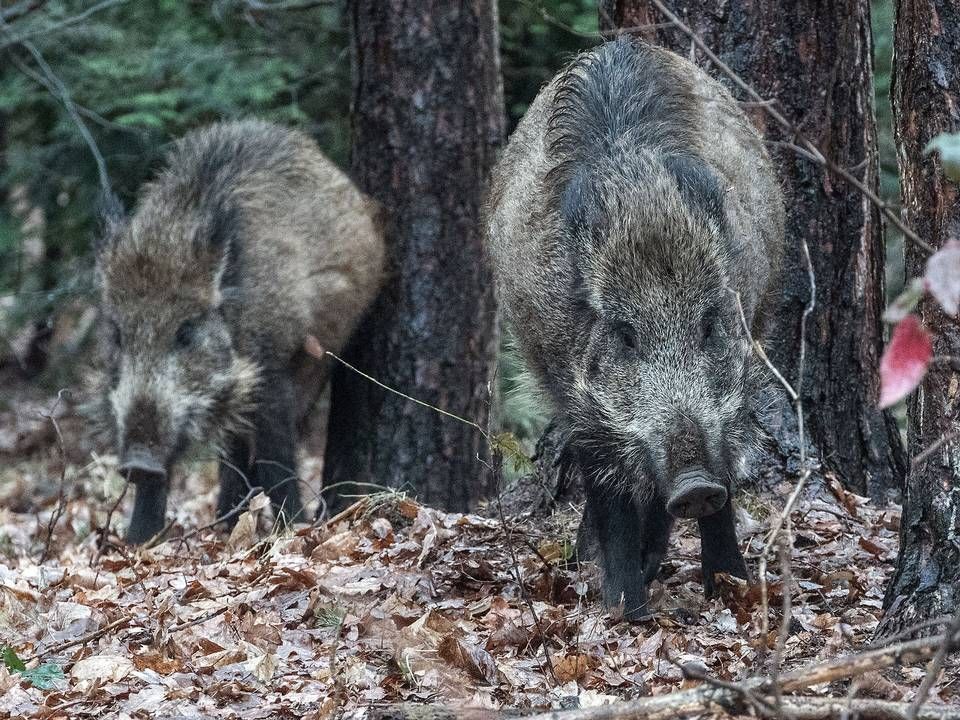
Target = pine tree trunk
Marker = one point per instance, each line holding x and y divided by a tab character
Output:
427	119
926	96
815	60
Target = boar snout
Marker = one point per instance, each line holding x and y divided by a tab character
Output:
142	467
696	494
140	464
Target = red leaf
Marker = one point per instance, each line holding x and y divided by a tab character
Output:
943	276
905	361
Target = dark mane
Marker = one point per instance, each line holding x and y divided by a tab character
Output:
617	97
207	168
622	111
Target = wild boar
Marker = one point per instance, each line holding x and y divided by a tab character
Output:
247	242
633	206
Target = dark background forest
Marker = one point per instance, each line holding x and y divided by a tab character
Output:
92	95
142	74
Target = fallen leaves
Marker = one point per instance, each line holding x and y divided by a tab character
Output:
397	602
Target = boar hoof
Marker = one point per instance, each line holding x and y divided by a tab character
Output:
696	495
633	605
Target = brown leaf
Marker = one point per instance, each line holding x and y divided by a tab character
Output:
475	660
570	667
157	662
871	547
508	635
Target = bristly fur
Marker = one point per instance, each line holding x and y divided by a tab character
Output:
607	104
633	201
246	243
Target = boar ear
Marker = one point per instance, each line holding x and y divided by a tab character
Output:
699	187
216	236
111	222
581	206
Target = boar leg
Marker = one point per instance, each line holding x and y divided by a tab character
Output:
236	478
270	461
149	510
275	451
631	539
719	550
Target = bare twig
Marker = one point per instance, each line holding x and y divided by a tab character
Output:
761	353
160	537
809	148
198	621
925	454
61	492
566	27
695	672
716	696
496	467
950	641
82	640
47	30
376	382
61	92
19	10
705	701
910	632
105	530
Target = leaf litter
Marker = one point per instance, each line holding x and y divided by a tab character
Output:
397	602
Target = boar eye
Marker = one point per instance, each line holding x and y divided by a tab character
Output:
186	333
625	335
709	328
115	336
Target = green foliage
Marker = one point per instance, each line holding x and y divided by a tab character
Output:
882	12
537	37
42	677
947	145
882	21
142	74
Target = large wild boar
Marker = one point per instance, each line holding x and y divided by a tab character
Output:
246	243
632	205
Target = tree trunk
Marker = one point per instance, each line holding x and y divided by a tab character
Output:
815	61
926	95
427	120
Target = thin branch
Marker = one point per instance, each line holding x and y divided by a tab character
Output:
61	493
811	151
925	454
758	349
259	6
15	12
934	670
105	530
376	382
61	92
496	467
48	30
82	640
160	537
566	27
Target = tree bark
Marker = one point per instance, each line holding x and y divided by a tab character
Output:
427	119
926	94
815	61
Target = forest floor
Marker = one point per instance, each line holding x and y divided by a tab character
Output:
390	602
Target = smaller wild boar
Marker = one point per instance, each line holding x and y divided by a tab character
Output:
246	243
634	203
